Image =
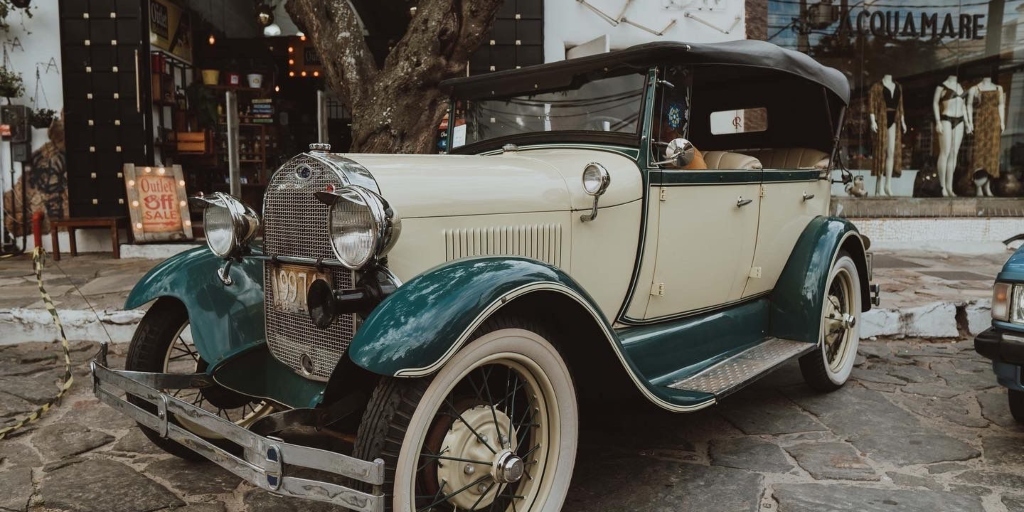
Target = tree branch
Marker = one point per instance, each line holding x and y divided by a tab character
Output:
333	27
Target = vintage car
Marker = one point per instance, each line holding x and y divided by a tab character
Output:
1003	343
418	332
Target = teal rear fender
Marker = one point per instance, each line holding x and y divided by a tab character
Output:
798	296
416	329
225	319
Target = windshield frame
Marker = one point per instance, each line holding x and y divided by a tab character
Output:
630	140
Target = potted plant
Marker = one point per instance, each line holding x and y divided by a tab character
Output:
42	118
203	104
11	84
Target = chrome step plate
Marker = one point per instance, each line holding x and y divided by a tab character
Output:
745	366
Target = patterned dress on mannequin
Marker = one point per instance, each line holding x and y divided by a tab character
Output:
985	154
888	110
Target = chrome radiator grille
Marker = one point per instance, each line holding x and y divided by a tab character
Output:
295	224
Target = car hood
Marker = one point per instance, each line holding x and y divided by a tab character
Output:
1013	269
453	185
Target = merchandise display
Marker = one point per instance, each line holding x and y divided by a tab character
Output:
950	108
885	102
986	114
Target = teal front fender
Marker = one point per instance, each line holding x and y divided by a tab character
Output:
798	297
416	329
225	319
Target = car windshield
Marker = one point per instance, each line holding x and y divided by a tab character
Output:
607	104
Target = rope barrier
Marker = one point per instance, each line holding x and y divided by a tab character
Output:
38	256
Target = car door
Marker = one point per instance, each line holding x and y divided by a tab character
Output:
707	228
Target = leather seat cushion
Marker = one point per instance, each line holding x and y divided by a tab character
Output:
790	158
730	160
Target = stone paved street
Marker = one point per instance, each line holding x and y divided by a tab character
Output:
921	426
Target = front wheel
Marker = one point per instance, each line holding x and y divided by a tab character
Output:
828	367
494	429
1017	405
163	344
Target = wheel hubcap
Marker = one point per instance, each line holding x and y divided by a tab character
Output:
481	441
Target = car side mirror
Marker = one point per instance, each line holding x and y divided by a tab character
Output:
680	152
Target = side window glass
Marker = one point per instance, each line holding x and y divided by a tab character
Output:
671	109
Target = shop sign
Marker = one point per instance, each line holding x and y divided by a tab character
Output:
923	25
157	203
170	29
303	59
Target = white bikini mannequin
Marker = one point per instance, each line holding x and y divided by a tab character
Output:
950	107
891	145
985	86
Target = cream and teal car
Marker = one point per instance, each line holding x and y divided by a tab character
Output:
419	332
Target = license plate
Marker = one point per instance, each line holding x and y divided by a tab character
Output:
291	284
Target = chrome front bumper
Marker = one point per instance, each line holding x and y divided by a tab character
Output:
265	459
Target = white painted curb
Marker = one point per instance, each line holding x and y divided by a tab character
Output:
20	325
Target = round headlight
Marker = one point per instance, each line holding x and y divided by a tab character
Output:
220	231
362	226
229	223
595	179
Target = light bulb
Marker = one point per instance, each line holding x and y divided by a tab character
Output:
212	40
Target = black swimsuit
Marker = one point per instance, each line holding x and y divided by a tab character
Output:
948	93
892	100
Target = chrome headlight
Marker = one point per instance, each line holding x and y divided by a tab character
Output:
362	225
1017	305
229	223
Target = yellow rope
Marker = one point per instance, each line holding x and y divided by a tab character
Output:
38	255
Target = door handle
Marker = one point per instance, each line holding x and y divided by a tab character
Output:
808	197
743	202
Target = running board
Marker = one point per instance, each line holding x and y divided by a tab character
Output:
728	375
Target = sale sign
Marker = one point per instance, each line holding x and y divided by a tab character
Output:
158	203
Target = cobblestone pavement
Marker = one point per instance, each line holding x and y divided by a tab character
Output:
921	426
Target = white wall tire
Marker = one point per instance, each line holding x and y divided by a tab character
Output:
829	366
420	429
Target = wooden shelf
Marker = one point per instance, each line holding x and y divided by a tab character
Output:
221	87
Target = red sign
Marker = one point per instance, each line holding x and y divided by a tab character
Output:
159	204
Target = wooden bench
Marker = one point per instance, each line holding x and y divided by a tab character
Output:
111	223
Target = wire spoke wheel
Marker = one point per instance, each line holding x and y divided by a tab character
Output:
494	430
163	344
182	357
829	367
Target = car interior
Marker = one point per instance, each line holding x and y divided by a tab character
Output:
686	109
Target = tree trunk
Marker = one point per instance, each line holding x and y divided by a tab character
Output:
396	108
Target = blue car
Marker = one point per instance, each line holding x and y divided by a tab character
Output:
1003	343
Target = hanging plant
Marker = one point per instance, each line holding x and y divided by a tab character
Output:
21	4
42	118
6	6
11	84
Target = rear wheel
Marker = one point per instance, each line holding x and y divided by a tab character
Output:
829	367
494	429
163	344
1017	405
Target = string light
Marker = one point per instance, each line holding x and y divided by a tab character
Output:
277	88
212	40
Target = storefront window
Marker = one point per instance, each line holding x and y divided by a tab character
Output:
937	106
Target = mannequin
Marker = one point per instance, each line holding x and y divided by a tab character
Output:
885	101
950	108
987	121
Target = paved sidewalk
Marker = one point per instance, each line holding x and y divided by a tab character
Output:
920	427
926	294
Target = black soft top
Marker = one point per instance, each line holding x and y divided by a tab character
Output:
744	53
